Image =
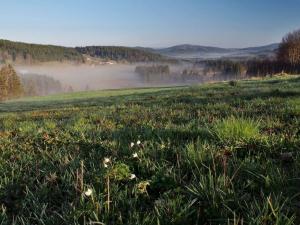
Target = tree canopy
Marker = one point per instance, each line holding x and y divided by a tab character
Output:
120	53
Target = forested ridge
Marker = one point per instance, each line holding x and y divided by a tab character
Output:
19	51
12	52
120	53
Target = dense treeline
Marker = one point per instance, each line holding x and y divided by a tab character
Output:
153	69
225	67
288	61
268	67
18	51
36	85
10	84
120	54
240	69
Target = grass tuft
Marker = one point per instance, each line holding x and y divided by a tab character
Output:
233	130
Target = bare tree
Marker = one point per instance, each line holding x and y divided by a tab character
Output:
289	49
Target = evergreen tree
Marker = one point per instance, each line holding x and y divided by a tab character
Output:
10	84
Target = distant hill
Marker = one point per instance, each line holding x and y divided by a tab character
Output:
208	52
29	53
19	52
121	53
185	49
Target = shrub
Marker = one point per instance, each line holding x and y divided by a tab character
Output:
232	83
120	172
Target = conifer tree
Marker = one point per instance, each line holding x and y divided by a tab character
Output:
10	84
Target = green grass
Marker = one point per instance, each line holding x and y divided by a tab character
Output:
210	154
234	129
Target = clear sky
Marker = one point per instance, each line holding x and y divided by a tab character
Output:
150	23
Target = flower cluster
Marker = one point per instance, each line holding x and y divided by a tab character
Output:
138	143
106	162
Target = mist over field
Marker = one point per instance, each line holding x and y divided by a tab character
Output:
98	77
150	112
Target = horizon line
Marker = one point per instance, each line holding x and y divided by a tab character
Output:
137	46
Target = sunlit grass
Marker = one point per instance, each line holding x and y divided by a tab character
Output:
211	154
235	129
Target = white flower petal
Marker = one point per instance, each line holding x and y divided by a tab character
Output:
106	160
88	192
132	176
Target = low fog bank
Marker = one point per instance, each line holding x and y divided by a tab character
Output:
83	77
115	76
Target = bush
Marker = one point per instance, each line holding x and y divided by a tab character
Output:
233	83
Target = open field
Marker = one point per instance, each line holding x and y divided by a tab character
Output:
210	154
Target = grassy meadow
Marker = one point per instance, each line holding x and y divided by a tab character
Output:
221	153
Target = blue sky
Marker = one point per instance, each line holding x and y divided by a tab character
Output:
152	23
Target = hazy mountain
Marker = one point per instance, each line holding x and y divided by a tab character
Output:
208	52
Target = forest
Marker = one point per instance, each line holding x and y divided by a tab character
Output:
120	53
18	51
29	53
153	69
250	68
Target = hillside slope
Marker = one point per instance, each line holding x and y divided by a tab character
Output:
19	52
194	155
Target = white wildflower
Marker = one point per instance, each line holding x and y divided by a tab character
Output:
106	160
138	142
105	165
132	176
40	131
135	155
131	144
88	192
